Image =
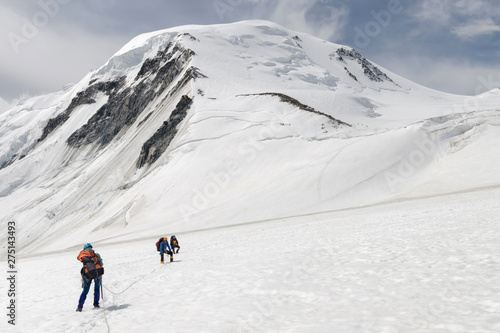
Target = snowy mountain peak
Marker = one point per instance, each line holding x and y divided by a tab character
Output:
199	126
255	47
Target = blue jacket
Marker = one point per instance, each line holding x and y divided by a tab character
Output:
163	246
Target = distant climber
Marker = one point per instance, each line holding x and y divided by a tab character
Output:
92	270
174	244
163	246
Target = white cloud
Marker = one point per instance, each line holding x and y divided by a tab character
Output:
449	75
435	11
52	59
299	15
465	19
476	8
48	57
476	28
4	105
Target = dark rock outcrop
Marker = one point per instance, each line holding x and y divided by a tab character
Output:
290	100
120	110
161	139
124	107
83	97
370	70
9	162
350	74
192	73
157	64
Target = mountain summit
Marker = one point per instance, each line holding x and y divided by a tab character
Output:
202	126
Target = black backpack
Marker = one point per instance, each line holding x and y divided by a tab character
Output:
92	271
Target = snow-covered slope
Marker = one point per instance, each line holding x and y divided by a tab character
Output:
427	265
202	126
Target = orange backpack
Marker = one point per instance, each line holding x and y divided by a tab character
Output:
91	268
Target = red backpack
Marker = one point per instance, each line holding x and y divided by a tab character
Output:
158	244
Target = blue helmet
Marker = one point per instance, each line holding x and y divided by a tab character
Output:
86	246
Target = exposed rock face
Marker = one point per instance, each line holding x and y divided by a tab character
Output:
83	97
369	69
168	55
159	142
9	162
120	110
125	106
290	100
350	74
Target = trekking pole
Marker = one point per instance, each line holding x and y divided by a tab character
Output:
102	292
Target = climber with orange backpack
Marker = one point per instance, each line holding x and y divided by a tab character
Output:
163	246
92	270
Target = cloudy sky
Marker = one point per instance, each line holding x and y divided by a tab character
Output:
448	45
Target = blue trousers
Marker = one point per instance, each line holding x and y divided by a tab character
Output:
86	288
